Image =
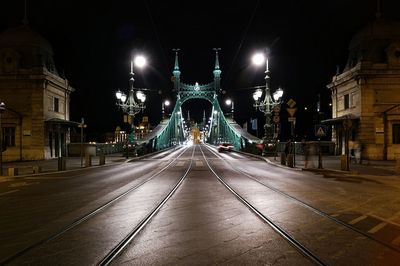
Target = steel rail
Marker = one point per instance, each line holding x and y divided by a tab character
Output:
86	216
121	246
306	252
308	206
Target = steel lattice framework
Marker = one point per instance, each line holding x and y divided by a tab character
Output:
171	131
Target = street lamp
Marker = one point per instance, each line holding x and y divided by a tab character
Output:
128	103
2	110
268	103
164	103
230	102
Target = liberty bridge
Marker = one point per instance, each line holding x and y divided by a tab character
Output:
171	131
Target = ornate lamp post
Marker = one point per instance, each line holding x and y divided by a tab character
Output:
133	103
267	104
231	103
164	103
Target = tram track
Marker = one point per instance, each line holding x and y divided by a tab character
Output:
101	209
287	236
310	207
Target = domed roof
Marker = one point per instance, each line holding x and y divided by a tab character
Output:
371	42
24	36
26	48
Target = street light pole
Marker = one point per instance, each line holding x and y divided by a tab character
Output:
231	103
267	104
164	103
2	109
129	104
82	125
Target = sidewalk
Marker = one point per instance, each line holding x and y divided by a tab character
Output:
51	165
332	164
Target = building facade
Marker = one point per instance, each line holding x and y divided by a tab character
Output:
36	122
366	95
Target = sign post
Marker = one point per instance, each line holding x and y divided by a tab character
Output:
292	119
82	125
320	131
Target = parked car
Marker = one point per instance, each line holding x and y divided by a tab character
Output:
225	147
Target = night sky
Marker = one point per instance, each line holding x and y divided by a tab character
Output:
95	41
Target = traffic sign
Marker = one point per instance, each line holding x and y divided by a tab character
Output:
276	119
291	103
291	111
277	108
320	130
292	119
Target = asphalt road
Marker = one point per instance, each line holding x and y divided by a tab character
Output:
337	219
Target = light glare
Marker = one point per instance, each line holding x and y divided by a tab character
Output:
258	59
140	61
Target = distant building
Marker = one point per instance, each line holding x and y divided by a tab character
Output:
366	95
36	121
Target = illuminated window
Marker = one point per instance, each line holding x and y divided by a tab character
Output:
396	134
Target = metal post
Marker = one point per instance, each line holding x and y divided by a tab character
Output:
2	109
82	125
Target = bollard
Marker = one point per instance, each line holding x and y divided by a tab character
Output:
344	164
88	160
102	159
12	171
283	158
61	164
290	160
36	169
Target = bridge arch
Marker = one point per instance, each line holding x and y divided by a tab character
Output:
172	131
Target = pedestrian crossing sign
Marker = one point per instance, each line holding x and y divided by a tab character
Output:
320	130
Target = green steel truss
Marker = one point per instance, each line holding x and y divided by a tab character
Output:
170	132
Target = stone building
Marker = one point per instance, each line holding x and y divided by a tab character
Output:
366	95
36	121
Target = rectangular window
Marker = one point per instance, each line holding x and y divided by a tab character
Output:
346	101
396	134
56	104
9	136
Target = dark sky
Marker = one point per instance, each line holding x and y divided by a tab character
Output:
94	43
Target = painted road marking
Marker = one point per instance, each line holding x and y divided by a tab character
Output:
181	163
376	228
9	192
354	221
199	164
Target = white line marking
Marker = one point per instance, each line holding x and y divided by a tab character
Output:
354	221
9	192
376	228
181	163
199	163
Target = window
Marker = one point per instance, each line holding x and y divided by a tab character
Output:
9	136
56	104
396	134
346	101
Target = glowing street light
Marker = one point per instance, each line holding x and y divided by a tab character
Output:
164	103
266	104
230	102
128	103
